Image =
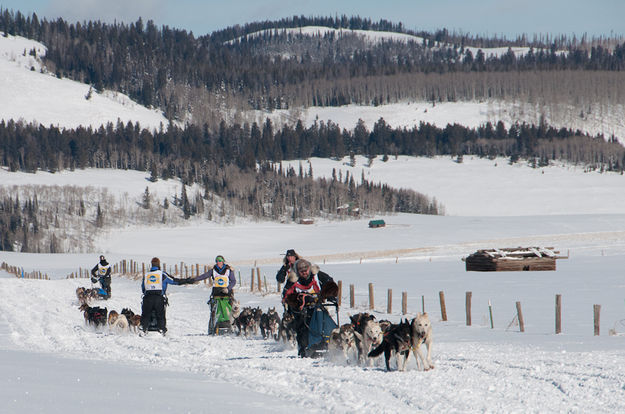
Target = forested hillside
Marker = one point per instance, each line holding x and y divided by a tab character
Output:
211	84
200	77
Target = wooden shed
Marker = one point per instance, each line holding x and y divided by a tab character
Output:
376	223
513	259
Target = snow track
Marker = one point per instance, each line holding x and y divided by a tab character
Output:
470	376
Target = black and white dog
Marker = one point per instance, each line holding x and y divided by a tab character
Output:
397	340
269	324
286	332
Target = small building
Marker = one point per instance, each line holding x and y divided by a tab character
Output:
376	223
306	221
512	259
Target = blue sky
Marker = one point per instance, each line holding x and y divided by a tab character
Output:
483	17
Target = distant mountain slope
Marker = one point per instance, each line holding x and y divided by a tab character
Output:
374	37
31	94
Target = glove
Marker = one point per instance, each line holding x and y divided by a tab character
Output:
93	280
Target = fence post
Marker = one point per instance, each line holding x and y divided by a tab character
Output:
558	314
252	281
441	296
596	318
404	303
260	287
371	302
389	302
519	313
340	285
143	269
422	304
490	313
468	307
351	296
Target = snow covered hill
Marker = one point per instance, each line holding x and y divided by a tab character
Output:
29	93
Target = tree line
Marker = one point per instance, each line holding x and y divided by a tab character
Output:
197	155
173	70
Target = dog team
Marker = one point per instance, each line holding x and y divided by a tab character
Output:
362	340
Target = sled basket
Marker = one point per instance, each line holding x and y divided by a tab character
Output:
321	326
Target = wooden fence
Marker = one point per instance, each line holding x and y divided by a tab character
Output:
22	274
259	284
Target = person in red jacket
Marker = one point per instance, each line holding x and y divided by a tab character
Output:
302	293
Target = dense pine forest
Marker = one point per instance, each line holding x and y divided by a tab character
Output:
236	162
182	74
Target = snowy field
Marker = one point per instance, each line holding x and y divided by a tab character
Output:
52	362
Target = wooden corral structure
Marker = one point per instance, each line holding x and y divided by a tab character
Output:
513	259
376	223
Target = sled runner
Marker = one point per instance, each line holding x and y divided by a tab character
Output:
219	322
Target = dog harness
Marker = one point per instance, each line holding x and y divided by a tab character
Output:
153	280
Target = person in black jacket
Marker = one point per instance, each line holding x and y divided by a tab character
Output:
101	272
288	266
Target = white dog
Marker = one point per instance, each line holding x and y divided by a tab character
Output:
118	321
370	338
422	334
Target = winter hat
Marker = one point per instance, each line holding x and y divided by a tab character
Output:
302	264
156	262
102	259
291	252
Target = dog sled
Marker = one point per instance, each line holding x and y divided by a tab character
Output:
220	320
321	319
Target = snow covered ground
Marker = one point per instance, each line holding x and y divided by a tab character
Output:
52	362
57	364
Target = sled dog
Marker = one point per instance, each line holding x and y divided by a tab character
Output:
343	340
368	336
396	342
422	334
286	331
269	324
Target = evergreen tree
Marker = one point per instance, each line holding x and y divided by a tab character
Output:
184	202
146	199
153	172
